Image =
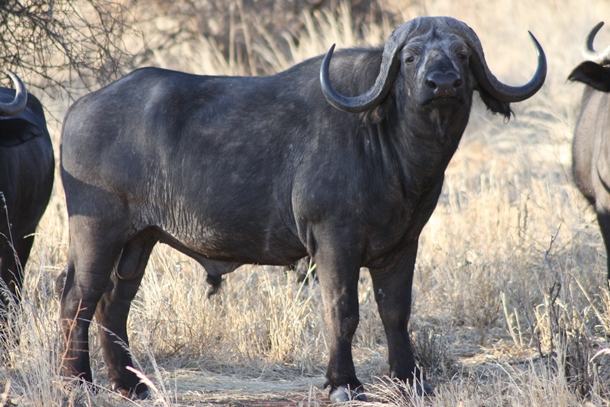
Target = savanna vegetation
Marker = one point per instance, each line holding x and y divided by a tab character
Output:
511	302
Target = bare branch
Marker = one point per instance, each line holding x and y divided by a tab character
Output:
62	46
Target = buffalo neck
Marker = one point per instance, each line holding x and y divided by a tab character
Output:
418	146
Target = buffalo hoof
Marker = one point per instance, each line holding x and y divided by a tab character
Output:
424	389
343	394
141	393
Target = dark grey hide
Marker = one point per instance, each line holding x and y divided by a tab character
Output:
591	143
26	180
267	170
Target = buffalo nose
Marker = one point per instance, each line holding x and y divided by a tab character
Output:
444	83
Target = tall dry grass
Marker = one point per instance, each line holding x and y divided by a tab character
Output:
510	301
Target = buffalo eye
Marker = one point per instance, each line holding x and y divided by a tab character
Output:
462	55
409	59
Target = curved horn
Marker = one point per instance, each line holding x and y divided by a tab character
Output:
383	83
20	100
589	53
497	89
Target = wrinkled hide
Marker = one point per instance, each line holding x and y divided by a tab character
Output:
342	161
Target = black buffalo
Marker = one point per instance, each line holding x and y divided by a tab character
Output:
26	180
266	170
591	143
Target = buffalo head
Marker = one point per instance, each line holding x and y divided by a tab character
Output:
432	62
21	115
594	72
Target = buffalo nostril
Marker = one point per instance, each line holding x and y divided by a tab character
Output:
443	83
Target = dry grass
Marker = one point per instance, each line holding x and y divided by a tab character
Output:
510	300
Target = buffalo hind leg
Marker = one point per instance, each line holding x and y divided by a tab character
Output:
338	275
91	259
113	310
392	287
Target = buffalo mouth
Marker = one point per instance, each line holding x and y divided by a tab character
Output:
442	101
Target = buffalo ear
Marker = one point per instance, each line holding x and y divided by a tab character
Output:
494	105
592	74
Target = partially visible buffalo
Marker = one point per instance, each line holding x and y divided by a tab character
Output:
267	170
591	143
26	179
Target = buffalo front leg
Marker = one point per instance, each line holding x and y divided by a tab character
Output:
392	287
338	278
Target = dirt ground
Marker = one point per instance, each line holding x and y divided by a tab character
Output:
193	388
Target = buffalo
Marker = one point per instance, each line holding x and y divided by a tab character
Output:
591	143
26	180
340	158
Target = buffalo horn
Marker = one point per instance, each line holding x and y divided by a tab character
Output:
493	86
387	72
20	100
589	53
